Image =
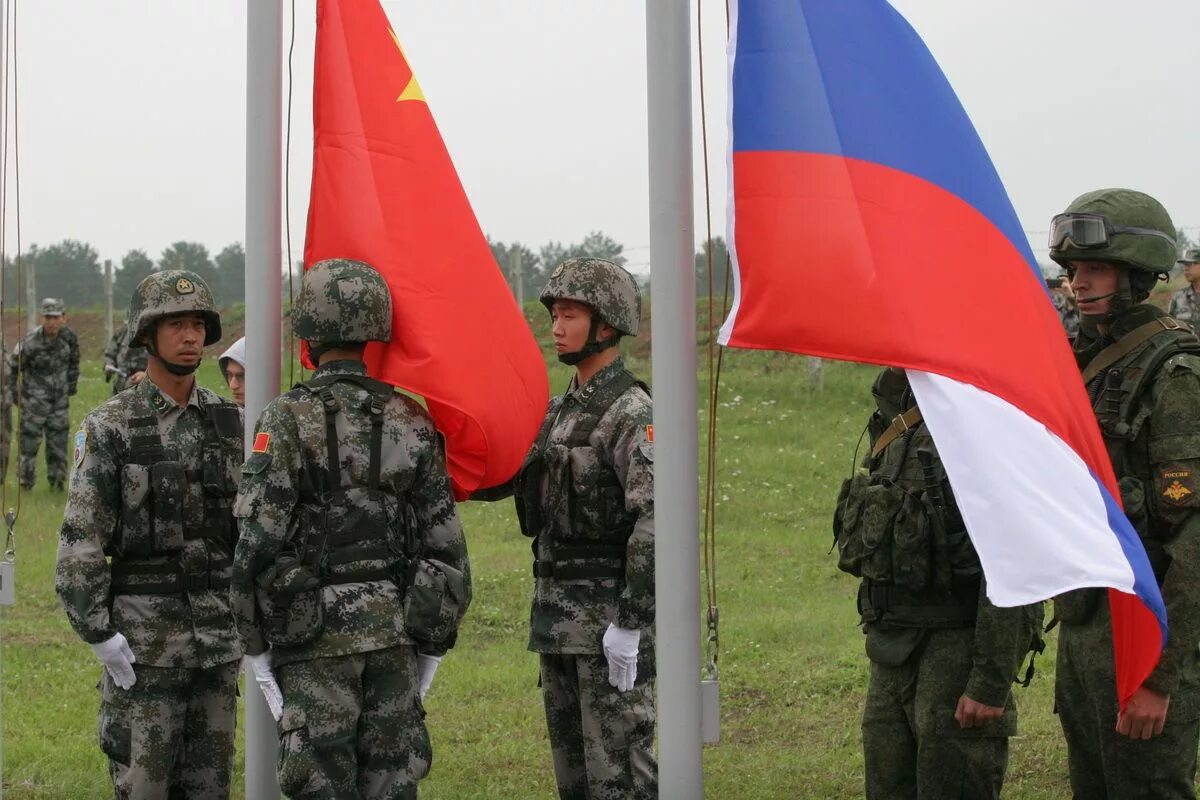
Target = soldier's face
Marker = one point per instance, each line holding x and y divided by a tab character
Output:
1094	279
1191	272
235	376
52	325
570	322
180	339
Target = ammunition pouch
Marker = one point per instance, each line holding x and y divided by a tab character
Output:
435	602
290	602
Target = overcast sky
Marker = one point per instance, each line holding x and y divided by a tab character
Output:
132	112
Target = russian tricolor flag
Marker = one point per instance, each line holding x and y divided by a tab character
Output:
868	224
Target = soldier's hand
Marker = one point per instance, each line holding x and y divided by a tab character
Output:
136	377
117	658
621	650
1145	714
973	714
426	668
260	666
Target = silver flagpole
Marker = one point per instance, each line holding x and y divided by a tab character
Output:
676	479
264	165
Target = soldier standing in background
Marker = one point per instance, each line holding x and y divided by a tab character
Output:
44	368
939	709
153	489
1142	371
1064	304
233	367
352	565
586	495
124	360
1185	303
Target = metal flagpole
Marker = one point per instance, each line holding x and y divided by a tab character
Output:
264	170
673	349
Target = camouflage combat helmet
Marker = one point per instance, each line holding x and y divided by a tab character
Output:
172	291
1140	232
53	307
1190	256
600	284
343	301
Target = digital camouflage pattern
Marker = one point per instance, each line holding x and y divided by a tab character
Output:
345	735
362	619
6	426
1068	313
601	284
124	355
1124	208
150	519
932	635
602	740
1190	256
172	715
53	307
1153	439
172	291
44	373
343	301
1185	307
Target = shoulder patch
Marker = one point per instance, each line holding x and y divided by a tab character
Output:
262	441
1177	486
646	447
80	446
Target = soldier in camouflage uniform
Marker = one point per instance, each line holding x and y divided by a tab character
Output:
146	551
44	368
1142	371
586	495
351	574
124	360
1185	303
939	708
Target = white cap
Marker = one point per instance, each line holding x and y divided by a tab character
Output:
236	351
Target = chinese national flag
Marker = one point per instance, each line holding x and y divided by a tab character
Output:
385	191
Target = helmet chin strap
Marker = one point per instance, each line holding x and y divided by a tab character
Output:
173	368
590	348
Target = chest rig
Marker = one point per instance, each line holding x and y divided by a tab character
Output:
157	520
576	545
351	533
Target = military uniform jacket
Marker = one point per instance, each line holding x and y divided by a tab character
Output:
119	354
45	370
570	616
289	455
918	577
189	628
1155	450
1185	307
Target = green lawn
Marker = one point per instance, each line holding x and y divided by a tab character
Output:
793	671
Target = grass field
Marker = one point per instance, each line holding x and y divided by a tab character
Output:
793	671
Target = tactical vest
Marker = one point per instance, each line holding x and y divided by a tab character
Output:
580	546
897	527
1116	392
351	533
150	538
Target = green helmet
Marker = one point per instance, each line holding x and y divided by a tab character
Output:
600	284
1134	230
53	307
172	291
343	301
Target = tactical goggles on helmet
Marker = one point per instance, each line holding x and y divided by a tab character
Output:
1085	231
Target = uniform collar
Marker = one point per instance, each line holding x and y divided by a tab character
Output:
160	401
602	376
344	366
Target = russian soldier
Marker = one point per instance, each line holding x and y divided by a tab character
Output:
146	551
1142	371
351	574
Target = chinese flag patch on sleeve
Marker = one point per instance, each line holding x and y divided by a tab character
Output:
260	442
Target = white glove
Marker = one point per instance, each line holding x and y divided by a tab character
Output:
426	668
118	659
621	650
260	665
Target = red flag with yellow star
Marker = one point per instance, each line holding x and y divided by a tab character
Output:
385	191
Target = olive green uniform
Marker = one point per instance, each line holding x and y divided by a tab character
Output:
1148	406
932	635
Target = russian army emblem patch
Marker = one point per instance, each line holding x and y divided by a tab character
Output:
1177	486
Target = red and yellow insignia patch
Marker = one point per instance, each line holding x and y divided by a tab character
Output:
1177	486
650	434
260	442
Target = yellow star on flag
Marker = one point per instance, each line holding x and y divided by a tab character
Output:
413	90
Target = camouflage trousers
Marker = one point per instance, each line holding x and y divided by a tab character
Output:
912	745
352	727
170	735
602	740
52	427
1103	763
